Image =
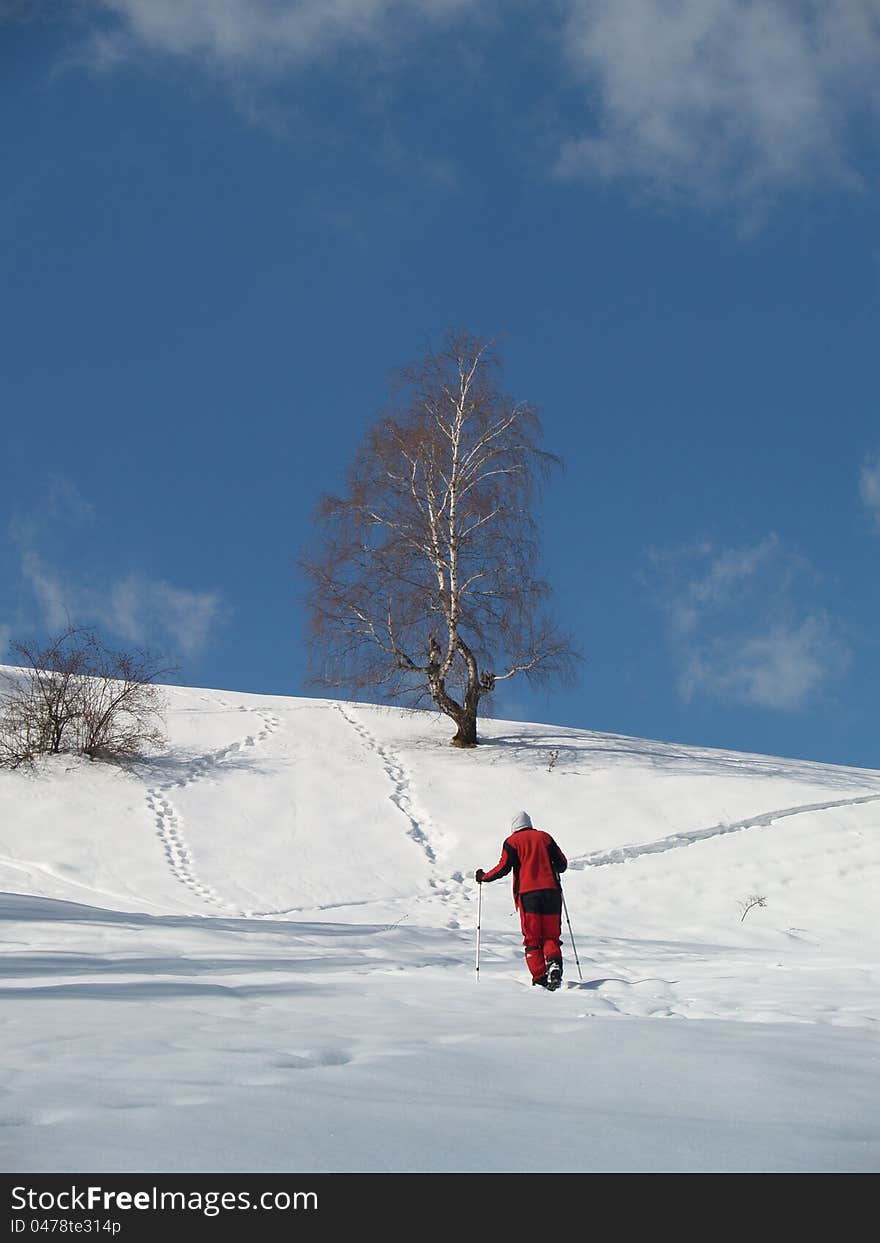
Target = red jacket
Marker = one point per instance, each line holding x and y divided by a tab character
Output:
535	860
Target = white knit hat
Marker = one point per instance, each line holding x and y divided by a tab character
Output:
522	820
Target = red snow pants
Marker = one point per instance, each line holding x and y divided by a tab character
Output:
540	914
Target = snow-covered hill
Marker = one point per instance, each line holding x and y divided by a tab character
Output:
257	952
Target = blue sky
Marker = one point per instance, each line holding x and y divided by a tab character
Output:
224	224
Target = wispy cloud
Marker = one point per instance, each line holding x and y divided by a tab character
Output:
260	51
133	607
58	602
724	104
720	99
869	487
743	624
720	102
59	506
138	606
263	35
779	669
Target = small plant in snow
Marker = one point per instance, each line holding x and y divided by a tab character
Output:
753	899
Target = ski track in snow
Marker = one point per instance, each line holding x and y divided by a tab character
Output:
169	822
676	840
401	785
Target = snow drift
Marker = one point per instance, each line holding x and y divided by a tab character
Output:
255	951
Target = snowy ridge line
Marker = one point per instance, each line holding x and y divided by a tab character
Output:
676	840
169	821
400	782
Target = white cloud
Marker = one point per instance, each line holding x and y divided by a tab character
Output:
136	608
869	487
54	597
743	626
780	669
268	35
697	581
133	607
723	98
721	101
61	506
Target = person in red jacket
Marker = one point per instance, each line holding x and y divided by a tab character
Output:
536	861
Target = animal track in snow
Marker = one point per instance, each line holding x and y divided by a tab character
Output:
676	840
401	785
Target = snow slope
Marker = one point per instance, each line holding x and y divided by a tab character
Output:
256	952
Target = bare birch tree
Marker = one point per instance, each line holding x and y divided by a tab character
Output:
423	584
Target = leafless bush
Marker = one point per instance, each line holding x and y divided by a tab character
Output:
76	695
22	737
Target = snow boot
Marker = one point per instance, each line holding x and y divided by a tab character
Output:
554	974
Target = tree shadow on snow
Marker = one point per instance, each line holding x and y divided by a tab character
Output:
579	755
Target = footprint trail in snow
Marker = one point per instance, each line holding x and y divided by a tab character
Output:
676	840
169	822
401	786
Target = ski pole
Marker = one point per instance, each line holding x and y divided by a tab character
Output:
570	933
479	921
